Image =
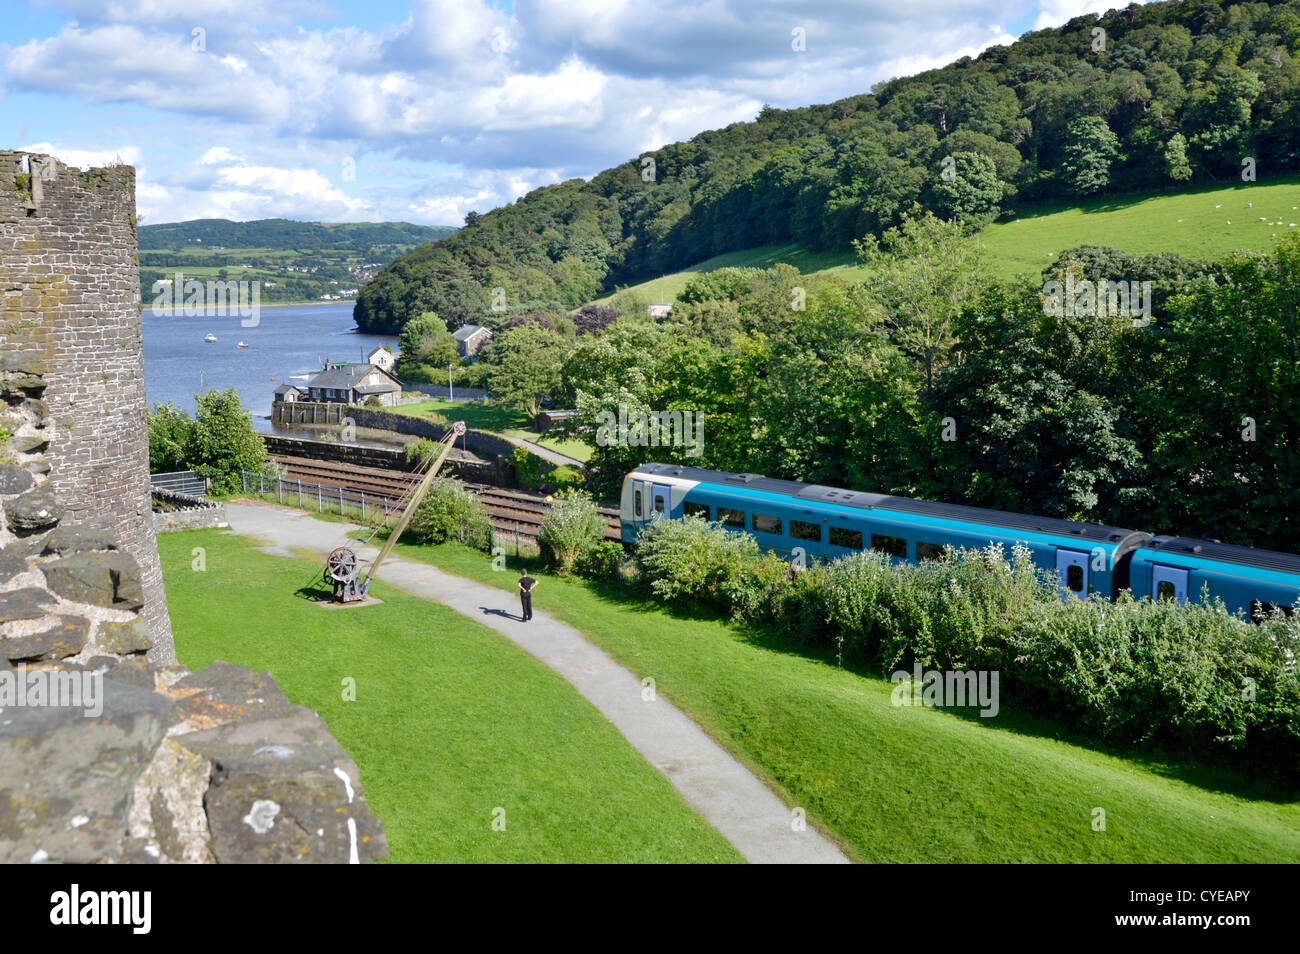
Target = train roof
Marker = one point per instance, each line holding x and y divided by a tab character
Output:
1225	553
1092	532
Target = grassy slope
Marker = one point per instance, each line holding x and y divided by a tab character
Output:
1186	222
1022	246
898	784
450	720
498	419
667	287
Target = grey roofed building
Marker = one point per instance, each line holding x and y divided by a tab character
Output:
469	338
290	393
353	384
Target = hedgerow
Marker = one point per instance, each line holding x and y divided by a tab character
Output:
1194	679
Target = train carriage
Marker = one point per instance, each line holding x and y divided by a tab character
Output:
823	523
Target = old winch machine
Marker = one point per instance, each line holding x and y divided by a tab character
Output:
342	566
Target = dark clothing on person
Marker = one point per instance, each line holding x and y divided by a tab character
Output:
526	585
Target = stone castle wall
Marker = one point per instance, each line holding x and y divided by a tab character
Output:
69	291
106	756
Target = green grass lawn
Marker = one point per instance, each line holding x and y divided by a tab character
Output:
1186	222
900	784
451	719
1193	223
497	419
666	288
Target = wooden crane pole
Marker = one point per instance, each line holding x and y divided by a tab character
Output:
421	489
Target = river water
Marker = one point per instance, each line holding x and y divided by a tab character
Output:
287	340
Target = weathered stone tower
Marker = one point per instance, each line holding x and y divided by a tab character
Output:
69	290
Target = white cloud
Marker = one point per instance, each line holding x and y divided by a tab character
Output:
87	158
258	121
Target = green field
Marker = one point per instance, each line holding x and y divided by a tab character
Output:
1199	223
451	719
667	287
497	419
915	785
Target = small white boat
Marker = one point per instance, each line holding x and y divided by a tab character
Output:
210	339
300	377
241	345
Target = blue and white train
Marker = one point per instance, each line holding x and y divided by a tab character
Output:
827	522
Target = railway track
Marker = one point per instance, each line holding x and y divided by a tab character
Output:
510	511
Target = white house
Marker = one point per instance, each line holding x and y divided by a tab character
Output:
381	357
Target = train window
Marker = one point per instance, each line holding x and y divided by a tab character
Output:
805	531
849	539
894	546
929	551
659	503
1166	591
638	503
1074	578
692	509
731	518
765	523
1259	610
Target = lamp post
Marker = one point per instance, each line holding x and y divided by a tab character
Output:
450	394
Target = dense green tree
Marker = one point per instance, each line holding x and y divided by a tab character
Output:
1090	153
1022	427
224	442
921	273
1176	165
171	433
426	343
968	190
524	366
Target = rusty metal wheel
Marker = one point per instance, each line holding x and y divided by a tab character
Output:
341	565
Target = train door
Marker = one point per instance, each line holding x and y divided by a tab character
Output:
1072	573
640	501
1168	583
661	501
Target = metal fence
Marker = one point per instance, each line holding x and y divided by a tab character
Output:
181	482
303	494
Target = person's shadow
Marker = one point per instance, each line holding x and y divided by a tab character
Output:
493	611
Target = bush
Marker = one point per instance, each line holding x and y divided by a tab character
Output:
528	467
601	562
1192	678
450	512
419	451
686	560
571	528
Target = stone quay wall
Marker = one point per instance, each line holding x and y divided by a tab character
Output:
174	510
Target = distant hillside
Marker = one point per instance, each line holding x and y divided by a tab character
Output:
292	261
286	234
1200	223
1134	101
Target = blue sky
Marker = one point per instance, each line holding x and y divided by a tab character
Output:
334	110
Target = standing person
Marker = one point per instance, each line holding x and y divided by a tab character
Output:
526	585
